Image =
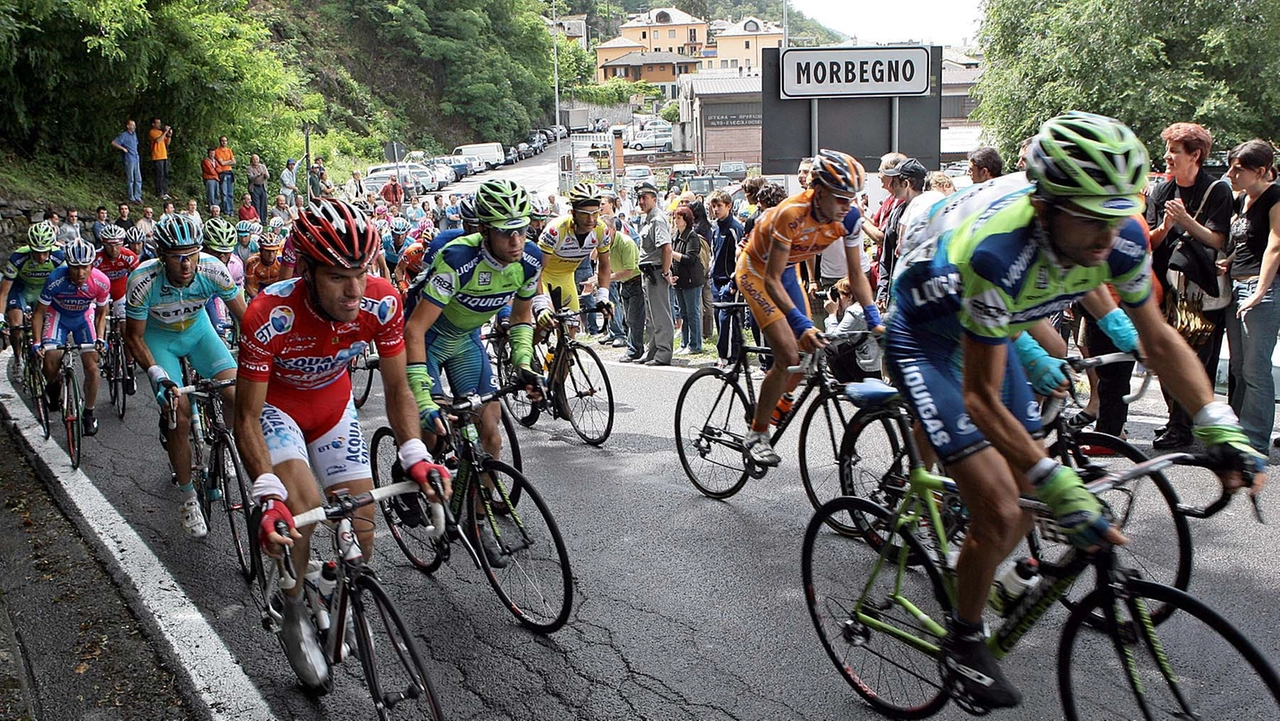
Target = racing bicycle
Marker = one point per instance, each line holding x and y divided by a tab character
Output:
117	367
72	396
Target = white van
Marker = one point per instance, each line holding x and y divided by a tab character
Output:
493	154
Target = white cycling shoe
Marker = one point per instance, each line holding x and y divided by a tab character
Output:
302	645
192	519
760	449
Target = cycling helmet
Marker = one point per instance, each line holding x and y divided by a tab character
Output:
113	234
219	235
178	232
277	225
538	209
467	210
79	252
839	172
503	205
1094	161
400	225
136	236
40	237
379	211
248	227
269	240
584	193
381	225
335	233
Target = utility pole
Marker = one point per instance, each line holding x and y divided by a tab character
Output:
555	54
786	28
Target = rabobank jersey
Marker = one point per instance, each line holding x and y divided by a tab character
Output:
792	224
75	301
470	285
982	265
168	307
563	250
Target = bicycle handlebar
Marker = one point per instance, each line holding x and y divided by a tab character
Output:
204	385
1053	406
809	361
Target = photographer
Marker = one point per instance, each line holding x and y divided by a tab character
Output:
160	138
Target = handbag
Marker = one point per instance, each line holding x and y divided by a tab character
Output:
1186	314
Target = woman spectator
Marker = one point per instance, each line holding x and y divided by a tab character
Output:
690	276
702	226
1254	316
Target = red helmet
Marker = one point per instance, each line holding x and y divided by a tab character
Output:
335	233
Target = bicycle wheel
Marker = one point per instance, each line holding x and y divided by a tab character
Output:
361	378
587	395
1159	544
36	388
393	670
229	476
881	625
821	434
72	409
524	411
536	585
1197	666
712	417
118	368
873	465
511	448
423	551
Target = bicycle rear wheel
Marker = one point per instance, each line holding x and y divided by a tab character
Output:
881	624
424	552
72	410
586	395
229	476
536	584
361	378
873	465
821	435
712	417
36	389
117	370
393	669
1196	666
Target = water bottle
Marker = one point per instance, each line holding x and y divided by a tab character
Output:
1013	584
312	589
328	580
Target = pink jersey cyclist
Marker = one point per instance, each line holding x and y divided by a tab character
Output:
71	306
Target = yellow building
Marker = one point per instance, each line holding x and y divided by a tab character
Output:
612	50
667	30
662	69
740	45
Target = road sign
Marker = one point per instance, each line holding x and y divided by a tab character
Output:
394	152
854	72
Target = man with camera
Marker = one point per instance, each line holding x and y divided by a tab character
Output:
160	137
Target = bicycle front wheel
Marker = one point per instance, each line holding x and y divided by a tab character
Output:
873	465
1195	666
36	387
510	449
821	434
72	410
423	551
229	476
587	396
361	378
712	417
535	582
881	624
393	669
117	369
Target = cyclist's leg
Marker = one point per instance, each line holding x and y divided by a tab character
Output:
564	291
211	359
15	311
781	339
339	458
86	334
290	462
470	373
166	350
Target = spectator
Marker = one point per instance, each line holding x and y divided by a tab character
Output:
392	191
246	210
690	275
437	211
193	209
905	182
168	210
875	227
725	235
1022	152
160	138
147	222
280	210
127	143
123	220
209	174
554	205
315	190
326	187
99	223
70	229
655	264
747	205
289	182
1191	209
803	172
626	208
258	175
1254	319
918	200
453	213
226	174
985	164
353	190
702	226
215	211
940	182
299	207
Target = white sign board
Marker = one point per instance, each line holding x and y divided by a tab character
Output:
854	72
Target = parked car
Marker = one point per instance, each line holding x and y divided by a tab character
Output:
417	178
444	174
536	142
477	165
412	186
651	140
493	154
459	164
636	174
680	174
734	170
513	156
560	131
525	150
704	184
657	125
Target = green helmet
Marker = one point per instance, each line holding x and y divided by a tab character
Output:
40	237
503	204
219	235
1094	161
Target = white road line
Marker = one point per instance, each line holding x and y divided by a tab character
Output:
221	682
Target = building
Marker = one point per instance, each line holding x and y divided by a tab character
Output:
960	133
660	69
739	45
667	30
722	116
612	50
573	27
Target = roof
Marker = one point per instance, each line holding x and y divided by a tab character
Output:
740	28
619	42
704	84
640	58
960	77
673	16
956	55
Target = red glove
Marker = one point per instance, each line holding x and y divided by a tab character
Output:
421	472
274	511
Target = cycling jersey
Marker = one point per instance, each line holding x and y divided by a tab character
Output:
390	251
28	275
470	285
167	307
258	275
414	259
303	358
563	250
118	270
71	307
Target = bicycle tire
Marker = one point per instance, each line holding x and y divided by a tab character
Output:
396	646
110	372
228	474
423	552
531	553
1148	531
1191	644
38	403
525	411
72	412
873	465
697	436
820	466
361	379
579	389
512	446
836	614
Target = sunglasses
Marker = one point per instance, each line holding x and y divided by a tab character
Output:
183	257
1094	222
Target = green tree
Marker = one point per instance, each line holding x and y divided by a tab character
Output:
577	67
1149	64
671	113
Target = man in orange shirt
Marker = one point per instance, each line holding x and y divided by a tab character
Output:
160	137
209	173
226	174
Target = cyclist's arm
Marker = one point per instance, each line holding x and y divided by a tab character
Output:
779	253
1049	338
858	283
603	271
5	286
37	324
237	306
984	365
415	330
1098	302
101	311
252	445
135	340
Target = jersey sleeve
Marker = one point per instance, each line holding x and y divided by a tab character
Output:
1130	263
606	238
531	261
547	241
102	287
50	289
442	281
11	266
853	229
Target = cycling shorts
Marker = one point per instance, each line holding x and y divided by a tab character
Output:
59	326
465	361
17	299
567	286
338	455
763	308
199	344
118	308
928	371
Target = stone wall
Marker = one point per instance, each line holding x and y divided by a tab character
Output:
18	215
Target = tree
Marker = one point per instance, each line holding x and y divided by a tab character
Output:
1149	64
576	66
671	113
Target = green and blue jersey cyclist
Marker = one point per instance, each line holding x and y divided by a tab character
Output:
982	269
24	274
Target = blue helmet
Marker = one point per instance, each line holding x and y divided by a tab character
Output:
400	225
177	231
79	252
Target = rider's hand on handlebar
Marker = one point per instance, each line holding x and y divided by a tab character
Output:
166	395
1229	447
422	472
274	511
531	381
1077	511
811	340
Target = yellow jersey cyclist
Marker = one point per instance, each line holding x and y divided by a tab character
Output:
794	231
566	243
165	322
988	265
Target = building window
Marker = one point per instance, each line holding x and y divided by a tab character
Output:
693	35
680	50
648	68
724	63
779	43
748	44
733	63
752	26
671	34
644	35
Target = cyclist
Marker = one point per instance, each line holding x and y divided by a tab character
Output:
796	230
73	301
220	242
138	243
393	243
539	214
248	232
263	268
412	261
296	424
24	276
469	280
167	322
117	262
567	242
986	266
